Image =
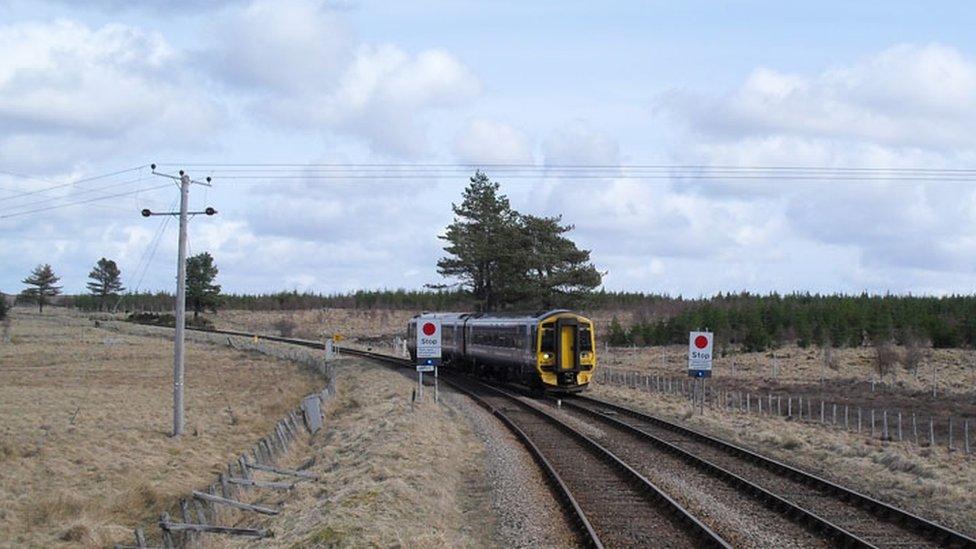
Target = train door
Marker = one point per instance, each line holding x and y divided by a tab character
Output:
567	351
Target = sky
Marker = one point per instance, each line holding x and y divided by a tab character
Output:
102	89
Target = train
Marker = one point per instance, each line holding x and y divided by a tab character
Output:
552	351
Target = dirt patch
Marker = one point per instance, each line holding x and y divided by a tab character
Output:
85	417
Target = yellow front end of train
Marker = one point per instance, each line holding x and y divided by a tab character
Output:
565	351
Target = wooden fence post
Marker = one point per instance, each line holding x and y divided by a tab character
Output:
950	434
914	429
931	433
965	430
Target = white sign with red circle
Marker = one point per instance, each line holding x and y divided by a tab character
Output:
700	351
428	338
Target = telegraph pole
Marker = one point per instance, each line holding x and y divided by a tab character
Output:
179	337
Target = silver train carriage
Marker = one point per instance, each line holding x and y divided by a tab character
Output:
554	350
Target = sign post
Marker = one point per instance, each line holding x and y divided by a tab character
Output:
700	362
428	349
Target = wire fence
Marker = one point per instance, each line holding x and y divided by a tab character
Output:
889	425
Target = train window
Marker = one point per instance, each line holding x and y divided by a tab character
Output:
586	342
548	340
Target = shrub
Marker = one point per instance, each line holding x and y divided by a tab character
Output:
168	320
885	359
285	326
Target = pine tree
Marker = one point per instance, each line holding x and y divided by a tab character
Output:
106	281
44	281
557	273
505	258
201	292
617	335
479	241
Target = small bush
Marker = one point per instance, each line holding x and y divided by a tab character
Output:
914	354
78	533
286	327
885	359
168	320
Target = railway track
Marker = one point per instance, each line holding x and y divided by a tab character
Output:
845	516
588	475
620	506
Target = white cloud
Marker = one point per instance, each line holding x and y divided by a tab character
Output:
907	106
288	46
67	91
487	141
579	143
309	73
905	96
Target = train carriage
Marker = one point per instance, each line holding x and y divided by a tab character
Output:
553	350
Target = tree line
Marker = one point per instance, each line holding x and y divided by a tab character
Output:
759	322
105	289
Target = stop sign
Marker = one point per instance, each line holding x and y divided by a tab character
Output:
429	338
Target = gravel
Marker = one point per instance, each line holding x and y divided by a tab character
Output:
523	508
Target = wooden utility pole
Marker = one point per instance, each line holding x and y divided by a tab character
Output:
180	305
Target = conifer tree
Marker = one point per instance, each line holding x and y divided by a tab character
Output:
106	281
201	292
508	259
44	281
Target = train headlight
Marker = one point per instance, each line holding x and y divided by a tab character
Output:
546	356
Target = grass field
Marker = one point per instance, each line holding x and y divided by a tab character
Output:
392	475
85	418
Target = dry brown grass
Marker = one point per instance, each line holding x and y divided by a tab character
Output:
937	484
791	365
391	477
85	416
381	325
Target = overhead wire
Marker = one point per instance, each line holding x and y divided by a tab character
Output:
251	172
68	197
90	200
68	184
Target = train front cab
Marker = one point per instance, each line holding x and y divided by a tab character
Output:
565	351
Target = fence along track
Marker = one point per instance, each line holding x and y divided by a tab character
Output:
866	520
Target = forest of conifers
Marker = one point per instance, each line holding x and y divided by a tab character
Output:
754	322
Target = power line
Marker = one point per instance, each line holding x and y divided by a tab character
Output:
86	191
337	172
90	200
703	167
68	184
